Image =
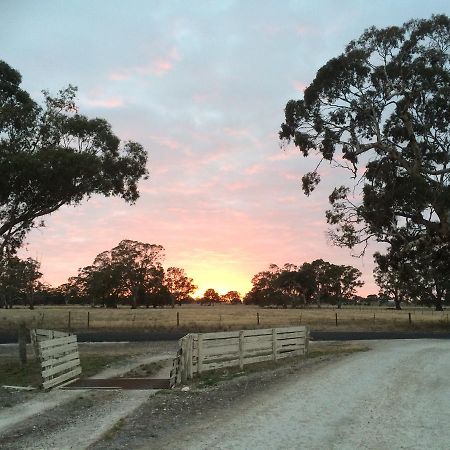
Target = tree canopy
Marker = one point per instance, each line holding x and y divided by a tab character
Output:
130	271
305	284
381	110
19	279
50	156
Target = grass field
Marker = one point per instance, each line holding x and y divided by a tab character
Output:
224	317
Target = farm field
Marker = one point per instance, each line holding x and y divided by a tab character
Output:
223	317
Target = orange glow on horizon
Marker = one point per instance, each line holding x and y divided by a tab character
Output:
222	280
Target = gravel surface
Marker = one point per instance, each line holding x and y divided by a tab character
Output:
392	397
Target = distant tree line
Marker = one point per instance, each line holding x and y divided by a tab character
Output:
131	274
307	284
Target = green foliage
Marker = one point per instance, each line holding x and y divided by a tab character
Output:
305	284
418	272
131	271
381	110
52	156
18	281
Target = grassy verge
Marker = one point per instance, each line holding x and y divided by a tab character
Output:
12	373
144	370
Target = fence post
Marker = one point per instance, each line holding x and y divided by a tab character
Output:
88	319
190	371
274	344
307	340
336	319
181	376
241	349
257	318
200	353
68	321
178	319
300	321
409	318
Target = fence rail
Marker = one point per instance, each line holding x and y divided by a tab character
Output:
58	355
208	351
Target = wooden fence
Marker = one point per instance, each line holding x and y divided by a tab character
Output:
208	351
58	356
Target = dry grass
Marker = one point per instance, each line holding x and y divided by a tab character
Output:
223	317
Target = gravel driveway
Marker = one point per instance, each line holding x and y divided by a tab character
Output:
396	396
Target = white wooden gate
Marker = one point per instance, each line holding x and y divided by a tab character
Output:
58	356
201	352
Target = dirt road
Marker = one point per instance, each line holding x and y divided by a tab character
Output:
395	396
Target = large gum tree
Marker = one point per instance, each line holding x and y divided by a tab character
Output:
381	110
50	156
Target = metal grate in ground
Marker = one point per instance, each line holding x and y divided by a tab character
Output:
119	383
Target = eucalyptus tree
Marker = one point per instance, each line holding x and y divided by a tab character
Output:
19	280
50	156
179	284
381	110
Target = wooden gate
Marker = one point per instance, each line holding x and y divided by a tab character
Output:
208	351
58	356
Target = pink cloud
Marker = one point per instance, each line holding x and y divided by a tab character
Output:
158	66
283	156
108	103
254	169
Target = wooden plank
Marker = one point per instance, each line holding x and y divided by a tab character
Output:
289	348
221	350
190	371
256	359
267	339
291	354
59	359
50	334
290	329
264	351
60	368
66	376
260	332
241	349
258	345
284	336
220	335
200	350
220	365
57	341
217	358
70	348
218	343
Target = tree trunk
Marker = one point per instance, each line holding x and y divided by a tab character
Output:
439	306
397	301
31	298
134	299
318	300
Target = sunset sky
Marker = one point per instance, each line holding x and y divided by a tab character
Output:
202	86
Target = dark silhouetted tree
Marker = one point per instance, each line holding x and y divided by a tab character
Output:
52	156
381	110
179	284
